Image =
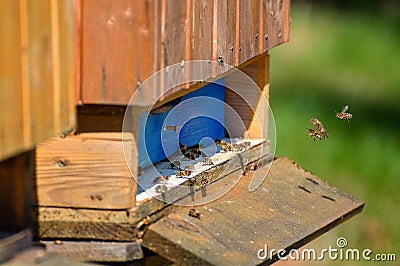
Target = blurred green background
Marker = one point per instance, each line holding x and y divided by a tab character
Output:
345	53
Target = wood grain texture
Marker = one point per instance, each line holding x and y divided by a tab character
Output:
34	72
11	113
248	30
116	49
252	110
87	170
96	250
233	228
124	42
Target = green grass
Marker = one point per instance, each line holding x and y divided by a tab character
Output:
334	59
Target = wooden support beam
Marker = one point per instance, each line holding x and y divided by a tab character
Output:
289	209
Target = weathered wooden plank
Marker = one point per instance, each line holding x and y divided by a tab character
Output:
276	22
248	29
231	229
202	30
87	170
225	32
34	34
40	70
64	63
11	130
112	34
96	250
175	44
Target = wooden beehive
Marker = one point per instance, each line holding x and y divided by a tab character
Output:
87	187
119	49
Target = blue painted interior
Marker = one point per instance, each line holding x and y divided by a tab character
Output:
198	114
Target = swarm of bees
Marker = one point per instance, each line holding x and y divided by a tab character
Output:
319	132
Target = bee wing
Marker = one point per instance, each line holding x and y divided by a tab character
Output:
345	108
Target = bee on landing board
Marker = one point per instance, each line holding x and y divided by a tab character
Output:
344	115
194	213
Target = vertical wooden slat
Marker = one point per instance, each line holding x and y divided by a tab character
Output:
25	84
276	20
226	30
64	78
174	35
237	47
249	25
40	69
202	14
55	55
116	49
11	131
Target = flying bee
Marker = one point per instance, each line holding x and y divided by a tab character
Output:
319	129
317	124
343	115
193	213
314	134
175	165
161	179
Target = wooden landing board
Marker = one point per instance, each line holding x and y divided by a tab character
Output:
96	250
289	209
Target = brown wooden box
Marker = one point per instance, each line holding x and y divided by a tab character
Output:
85	190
